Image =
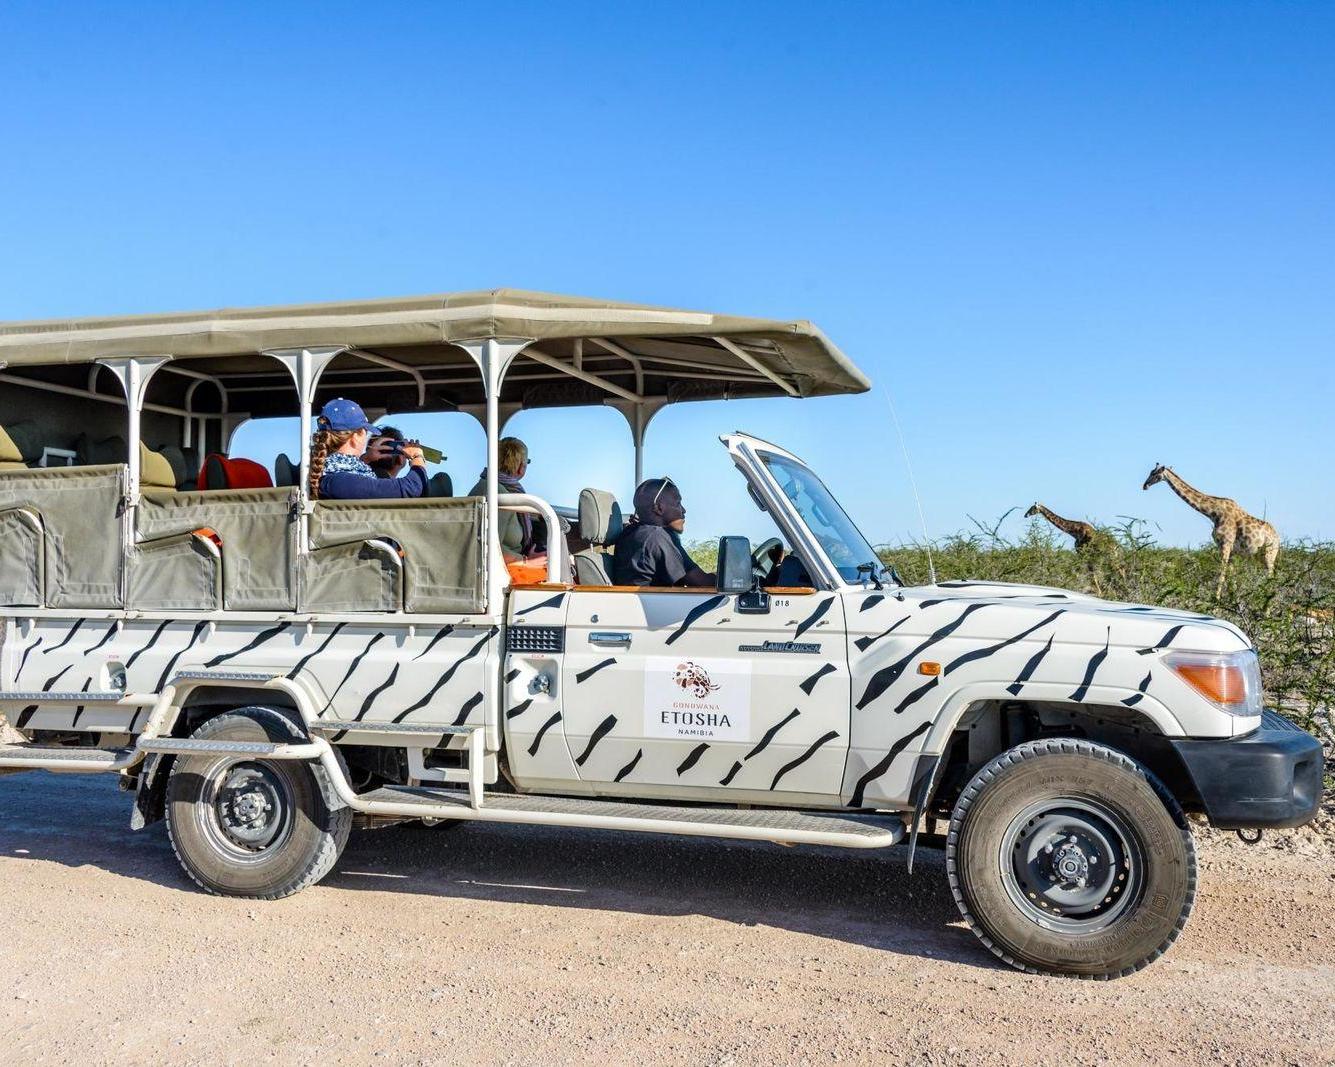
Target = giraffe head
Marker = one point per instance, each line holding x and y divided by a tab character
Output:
1156	475
1033	510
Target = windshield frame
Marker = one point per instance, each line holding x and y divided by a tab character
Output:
773	461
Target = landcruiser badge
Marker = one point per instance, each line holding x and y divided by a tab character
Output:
800	647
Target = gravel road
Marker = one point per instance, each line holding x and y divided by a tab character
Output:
485	945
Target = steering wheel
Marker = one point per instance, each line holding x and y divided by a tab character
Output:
760	561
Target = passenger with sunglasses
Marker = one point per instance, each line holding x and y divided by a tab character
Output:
649	551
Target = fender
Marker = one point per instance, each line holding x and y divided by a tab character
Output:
957	701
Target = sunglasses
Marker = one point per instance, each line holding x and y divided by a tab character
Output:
666	482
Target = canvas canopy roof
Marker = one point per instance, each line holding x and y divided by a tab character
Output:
401	354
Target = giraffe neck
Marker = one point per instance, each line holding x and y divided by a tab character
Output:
1066	526
1194	497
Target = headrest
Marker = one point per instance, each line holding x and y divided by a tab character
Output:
107	450
181	470
285	472
22	442
219	472
440	485
599	517
9	450
154	470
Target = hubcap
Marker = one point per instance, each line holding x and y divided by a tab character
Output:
1071	864
248	811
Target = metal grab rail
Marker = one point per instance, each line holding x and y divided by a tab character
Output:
536	505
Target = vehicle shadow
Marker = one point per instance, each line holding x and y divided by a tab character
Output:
860	897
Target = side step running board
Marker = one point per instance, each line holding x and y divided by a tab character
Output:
753	824
186	746
57	758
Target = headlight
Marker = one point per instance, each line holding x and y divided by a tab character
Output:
1231	681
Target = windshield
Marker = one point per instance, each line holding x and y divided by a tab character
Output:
841	540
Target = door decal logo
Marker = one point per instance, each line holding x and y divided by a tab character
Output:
695	680
703	699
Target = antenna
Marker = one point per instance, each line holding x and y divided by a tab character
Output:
913	482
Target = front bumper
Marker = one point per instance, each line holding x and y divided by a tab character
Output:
1269	778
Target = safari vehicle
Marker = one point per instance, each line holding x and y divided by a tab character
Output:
262	668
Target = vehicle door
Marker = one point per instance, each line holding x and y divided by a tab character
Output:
685	691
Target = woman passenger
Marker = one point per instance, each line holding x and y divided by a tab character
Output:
521	534
337	470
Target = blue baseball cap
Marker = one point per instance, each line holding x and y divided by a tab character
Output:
344	415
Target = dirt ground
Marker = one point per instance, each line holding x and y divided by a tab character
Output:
496	945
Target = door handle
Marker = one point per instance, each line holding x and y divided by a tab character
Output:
606	637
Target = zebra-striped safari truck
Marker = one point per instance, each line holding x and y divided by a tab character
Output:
261	668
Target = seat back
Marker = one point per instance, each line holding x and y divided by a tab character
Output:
220	472
156	470
20	444
441	542
75	509
257	528
285	472
440	485
600	524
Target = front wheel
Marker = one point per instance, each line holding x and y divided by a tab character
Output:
1068	857
252	828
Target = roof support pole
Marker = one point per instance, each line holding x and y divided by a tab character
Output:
493	356
639	415
755	364
134	374
305	365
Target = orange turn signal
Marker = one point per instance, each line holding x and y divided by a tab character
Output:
1223	683
929	668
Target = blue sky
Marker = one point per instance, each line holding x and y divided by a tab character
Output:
1070	239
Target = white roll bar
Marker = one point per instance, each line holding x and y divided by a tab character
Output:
537	506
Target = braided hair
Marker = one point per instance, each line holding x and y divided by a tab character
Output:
322	443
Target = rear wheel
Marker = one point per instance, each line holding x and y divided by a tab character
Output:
252	828
1067	857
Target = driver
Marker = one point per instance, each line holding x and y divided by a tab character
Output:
649	550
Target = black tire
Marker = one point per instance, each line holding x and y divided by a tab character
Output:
253	828
1023	856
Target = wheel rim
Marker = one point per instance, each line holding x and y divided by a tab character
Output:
246	811
1072	864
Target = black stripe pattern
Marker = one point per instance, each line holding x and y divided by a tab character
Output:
1095	661
983	653
542	732
768	735
694	615
260	639
794	764
809	684
585	675
1139	695
626	770
692	758
883	764
822	609
601	731
1027	671
887	676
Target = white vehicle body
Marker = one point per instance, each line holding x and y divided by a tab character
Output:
835	711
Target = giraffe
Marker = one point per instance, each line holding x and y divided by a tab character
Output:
1233	527
1083	532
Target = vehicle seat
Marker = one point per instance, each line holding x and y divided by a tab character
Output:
12	455
155	469
98	453
599	524
219	472
285	471
439	485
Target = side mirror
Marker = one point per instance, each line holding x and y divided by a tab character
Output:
734	565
